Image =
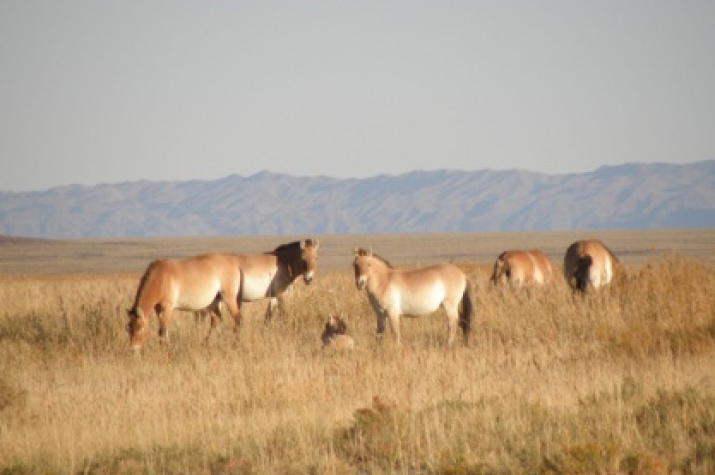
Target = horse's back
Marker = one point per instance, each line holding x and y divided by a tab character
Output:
543	270
192	282
520	264
446	274
208	268
421	291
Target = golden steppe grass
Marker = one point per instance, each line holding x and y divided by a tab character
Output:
617	382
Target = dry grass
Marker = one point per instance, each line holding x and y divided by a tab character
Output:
618	382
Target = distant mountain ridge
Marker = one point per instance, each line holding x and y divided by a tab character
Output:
611	197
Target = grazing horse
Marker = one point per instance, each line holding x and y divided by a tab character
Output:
203	282
522	268
590	264
335	335
394	292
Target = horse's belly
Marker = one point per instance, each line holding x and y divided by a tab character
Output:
423	303
255	288
197	297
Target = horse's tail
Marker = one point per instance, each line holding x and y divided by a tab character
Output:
467	311
581	275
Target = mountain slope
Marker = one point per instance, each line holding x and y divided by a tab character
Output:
626	196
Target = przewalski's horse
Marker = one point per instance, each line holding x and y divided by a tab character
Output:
590	264
272	273
203	282
522	268
415	292
335	335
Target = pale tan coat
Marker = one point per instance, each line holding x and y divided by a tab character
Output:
204	281
589	264
522	268
414	292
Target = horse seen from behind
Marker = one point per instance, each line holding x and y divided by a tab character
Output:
521	268
589	264
395	292
203	282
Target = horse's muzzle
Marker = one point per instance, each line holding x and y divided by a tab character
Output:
360	283
308	278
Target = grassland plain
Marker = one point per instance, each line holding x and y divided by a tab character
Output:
617	382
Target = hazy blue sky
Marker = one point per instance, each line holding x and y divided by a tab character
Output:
97	91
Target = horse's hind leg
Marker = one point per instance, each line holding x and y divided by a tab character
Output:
234	308
215	312
395	325
452	323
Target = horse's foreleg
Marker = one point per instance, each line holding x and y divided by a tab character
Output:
163	313
395	325
273	304
379	316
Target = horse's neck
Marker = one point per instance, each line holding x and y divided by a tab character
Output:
380	278
287	274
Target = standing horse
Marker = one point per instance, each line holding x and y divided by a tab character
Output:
203	282
270	274
416	292
590	264
522	268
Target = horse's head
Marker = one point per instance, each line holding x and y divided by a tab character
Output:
333	327
361	265
137	328
300	258
500	268
309	258
335	335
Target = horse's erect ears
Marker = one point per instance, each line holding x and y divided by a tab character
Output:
359	251
313	242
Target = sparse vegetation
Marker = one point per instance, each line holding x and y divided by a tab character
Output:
615	382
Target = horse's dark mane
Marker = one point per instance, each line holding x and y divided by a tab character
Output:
368	252
383	260
143	281
290	247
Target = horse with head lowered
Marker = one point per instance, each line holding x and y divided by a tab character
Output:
522	268
203	282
